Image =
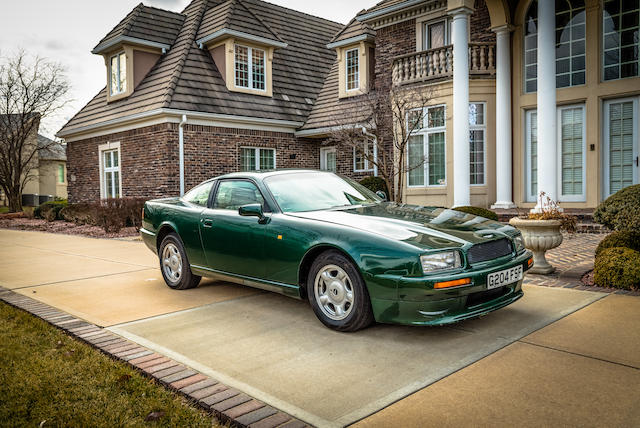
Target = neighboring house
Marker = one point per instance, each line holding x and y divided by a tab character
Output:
255	86
52	168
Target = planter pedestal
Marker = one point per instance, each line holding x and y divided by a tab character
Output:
539	236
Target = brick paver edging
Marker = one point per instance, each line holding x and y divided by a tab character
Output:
226	403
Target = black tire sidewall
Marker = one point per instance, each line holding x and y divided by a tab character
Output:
187	278
361	315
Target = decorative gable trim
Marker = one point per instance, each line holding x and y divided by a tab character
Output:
400	12
224	33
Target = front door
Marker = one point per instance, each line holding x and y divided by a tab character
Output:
232	243
621	144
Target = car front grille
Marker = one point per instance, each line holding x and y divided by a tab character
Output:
489	251
475	299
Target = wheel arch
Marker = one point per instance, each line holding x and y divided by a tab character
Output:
164	230
310	256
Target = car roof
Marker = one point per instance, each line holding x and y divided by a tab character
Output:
260	175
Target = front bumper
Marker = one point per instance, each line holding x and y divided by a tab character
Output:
418	303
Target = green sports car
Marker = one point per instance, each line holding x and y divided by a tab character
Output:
357	258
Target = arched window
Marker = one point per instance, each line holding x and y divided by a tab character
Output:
570	44
621	38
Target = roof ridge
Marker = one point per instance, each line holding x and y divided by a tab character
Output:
192	31
136	11
273	33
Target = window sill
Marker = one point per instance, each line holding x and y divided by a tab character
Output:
261	92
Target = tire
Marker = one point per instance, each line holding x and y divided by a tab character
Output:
337	293
174	264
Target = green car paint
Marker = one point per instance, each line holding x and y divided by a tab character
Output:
384	241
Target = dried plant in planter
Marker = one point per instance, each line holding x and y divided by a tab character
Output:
550	210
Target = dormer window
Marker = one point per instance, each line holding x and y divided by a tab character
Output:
118	73
353	69
250	68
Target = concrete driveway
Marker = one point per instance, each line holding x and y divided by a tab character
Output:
515	365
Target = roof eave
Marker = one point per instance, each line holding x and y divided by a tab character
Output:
388	10
246	36
351	40
101	48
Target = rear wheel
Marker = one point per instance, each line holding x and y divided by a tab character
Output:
174	264
338	294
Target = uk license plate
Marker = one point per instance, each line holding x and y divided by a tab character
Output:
504	277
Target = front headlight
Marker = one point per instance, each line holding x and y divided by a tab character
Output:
518	242
440	261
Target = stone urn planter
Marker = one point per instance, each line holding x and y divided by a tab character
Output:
539	236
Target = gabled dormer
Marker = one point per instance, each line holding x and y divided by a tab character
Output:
241	46
355	49
134	46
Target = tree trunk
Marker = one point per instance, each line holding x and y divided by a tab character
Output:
15	201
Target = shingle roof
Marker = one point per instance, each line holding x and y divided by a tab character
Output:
50	150
234	15
353	29
186	77
145	23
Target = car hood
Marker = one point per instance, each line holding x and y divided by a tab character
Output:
423	227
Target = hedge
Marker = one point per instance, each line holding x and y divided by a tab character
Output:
482	212
623	238
620	211
41	210
618	268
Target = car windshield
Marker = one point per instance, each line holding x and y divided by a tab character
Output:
313	191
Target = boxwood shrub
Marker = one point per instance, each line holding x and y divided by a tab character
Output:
482	212
81	213
617	267
42	210
622	238
620	211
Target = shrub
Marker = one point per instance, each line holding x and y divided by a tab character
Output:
620	211
617	267
623	238
375	184
114	214
41	210
482	212
53	213
79	214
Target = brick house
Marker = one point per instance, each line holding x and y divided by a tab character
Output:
244	84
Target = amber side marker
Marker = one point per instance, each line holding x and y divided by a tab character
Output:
453	283
530	262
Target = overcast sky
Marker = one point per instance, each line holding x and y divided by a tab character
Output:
67	30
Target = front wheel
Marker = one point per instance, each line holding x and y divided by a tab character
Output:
338	294
174	264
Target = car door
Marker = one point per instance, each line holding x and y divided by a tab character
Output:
233	243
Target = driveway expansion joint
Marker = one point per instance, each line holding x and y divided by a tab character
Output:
227	404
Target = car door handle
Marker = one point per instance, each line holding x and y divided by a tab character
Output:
207	222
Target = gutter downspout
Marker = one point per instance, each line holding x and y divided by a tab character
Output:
181	151
375	149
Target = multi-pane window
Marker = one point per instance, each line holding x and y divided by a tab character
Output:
353	69
361	156
621	38
436	34
256	159
532	154
572	152
61	173
477	133
118	74
111	173
250	68
622	144
570	44
426	163
328	159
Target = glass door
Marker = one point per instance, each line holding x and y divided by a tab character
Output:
621	144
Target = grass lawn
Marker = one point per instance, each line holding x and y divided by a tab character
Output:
48	376
4	210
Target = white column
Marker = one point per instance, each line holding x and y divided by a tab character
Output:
461	167
504	161
547	131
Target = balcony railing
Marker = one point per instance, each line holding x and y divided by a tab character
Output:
438	64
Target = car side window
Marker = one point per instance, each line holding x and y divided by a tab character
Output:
234	194
199	195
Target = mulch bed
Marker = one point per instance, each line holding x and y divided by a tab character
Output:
63	227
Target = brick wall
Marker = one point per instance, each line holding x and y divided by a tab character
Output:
481	23
391	41
149	158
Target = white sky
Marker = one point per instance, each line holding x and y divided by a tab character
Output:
67	30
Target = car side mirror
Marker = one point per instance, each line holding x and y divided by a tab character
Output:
252	210
382	195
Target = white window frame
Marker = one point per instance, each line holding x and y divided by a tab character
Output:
602	48
346	69
250	68
606	143
323	157
483	128
527	155
447	32
583	196
368	166
120	90
257	155
115	146
425	132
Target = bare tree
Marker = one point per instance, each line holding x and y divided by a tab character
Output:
386	120
30	90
